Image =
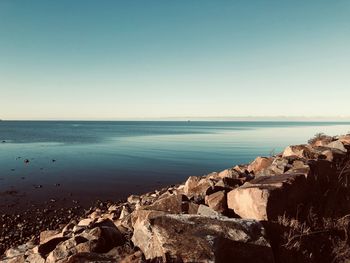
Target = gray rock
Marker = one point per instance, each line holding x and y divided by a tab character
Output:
337	145
195	238
206	211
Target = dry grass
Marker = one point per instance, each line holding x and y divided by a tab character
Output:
320	137
320	230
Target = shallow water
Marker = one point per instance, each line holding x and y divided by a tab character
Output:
110	160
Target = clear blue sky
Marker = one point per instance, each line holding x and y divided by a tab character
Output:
155	59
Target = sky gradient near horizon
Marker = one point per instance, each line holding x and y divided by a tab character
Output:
157	59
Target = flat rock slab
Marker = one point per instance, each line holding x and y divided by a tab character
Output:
267	197
196	238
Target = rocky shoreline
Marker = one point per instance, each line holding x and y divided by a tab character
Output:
291	207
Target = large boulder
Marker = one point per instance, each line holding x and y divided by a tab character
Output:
195	238
100	238
259	164
337	145
299	167
206	211
47	235
228	183
37	258
303	151
345	139
267	197
143	215
217	201
279	166
196	186
46	247
228	173
173	204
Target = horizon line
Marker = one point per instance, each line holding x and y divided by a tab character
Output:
195	118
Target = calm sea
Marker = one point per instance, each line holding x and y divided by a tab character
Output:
86	161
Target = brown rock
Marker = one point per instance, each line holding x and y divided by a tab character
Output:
62	251
299	151
241	169
278	166
192	208
217	201
134	199
259	164
337	145
174	204
50	245
16	259
86	222
47	235
86	257
320	142
194	238
267	197
207	211
345	139
328	154
197	186
299	167
229	183
228	173
35	258
139	216
136	257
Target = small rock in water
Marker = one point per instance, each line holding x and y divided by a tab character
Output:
53	160
26	161
12	170
3	141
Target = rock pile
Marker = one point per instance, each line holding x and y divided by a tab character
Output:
219	217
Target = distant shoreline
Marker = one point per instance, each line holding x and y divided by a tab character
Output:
191	120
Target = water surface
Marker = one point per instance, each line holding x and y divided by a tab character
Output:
85	161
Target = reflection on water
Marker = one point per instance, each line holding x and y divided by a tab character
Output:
109	160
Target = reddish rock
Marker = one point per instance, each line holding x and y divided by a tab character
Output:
241	169
299	151
267	197
197	186
192	208
230	183
228	173
174	204
259	164
47	235
217	201
345	139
